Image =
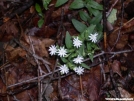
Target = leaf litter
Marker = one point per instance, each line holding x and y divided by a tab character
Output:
28	72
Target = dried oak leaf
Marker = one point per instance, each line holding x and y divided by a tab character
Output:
8	31
124	34
39	44
116	67
14	53
94	83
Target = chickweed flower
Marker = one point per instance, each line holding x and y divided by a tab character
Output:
62	52
78	60
52	49
93	37
76	42
64	69
79	70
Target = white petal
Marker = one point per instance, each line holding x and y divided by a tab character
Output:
76	42
62	52
52	49
64	69
78	59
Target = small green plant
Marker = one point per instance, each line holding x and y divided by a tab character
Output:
39	10
78	48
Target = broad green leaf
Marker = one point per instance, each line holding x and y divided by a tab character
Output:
70	65
72	56
99	27
85	66
71	50
84	15
82	50
92	11
95	5
38	8
40	23
89	47
89	30
60	2
112	17
64	60
79	25
91	56
77	4
68	40
96	19
46	3
41	15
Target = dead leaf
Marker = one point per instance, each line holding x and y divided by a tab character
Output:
116	67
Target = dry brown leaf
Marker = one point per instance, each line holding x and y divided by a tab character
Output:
15	53
39	44
94	83
48	42
116	67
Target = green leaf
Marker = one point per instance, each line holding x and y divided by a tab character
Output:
96	19
85	66
68	40
60	2
38	8
112	17
89	47
64	60
46	3
82	50
77	4
89	30
84	16
95	5
41	15
72	55
70	65
40	23
92	10
79	25
91	56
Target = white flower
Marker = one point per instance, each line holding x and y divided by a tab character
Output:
64	69
93	37
78	60
76	42
52	49
62	52
79	70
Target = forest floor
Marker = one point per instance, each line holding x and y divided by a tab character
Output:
29	72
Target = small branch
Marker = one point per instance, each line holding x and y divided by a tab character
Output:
114	83
18	12
31	80
39	70
111	8
81	86
34	55
112	53
119	32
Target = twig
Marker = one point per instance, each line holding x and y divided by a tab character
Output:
59	87
39	71
114	82
104	24
111	8
119	32
34	55
31	80
81	86
18	12
112	53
